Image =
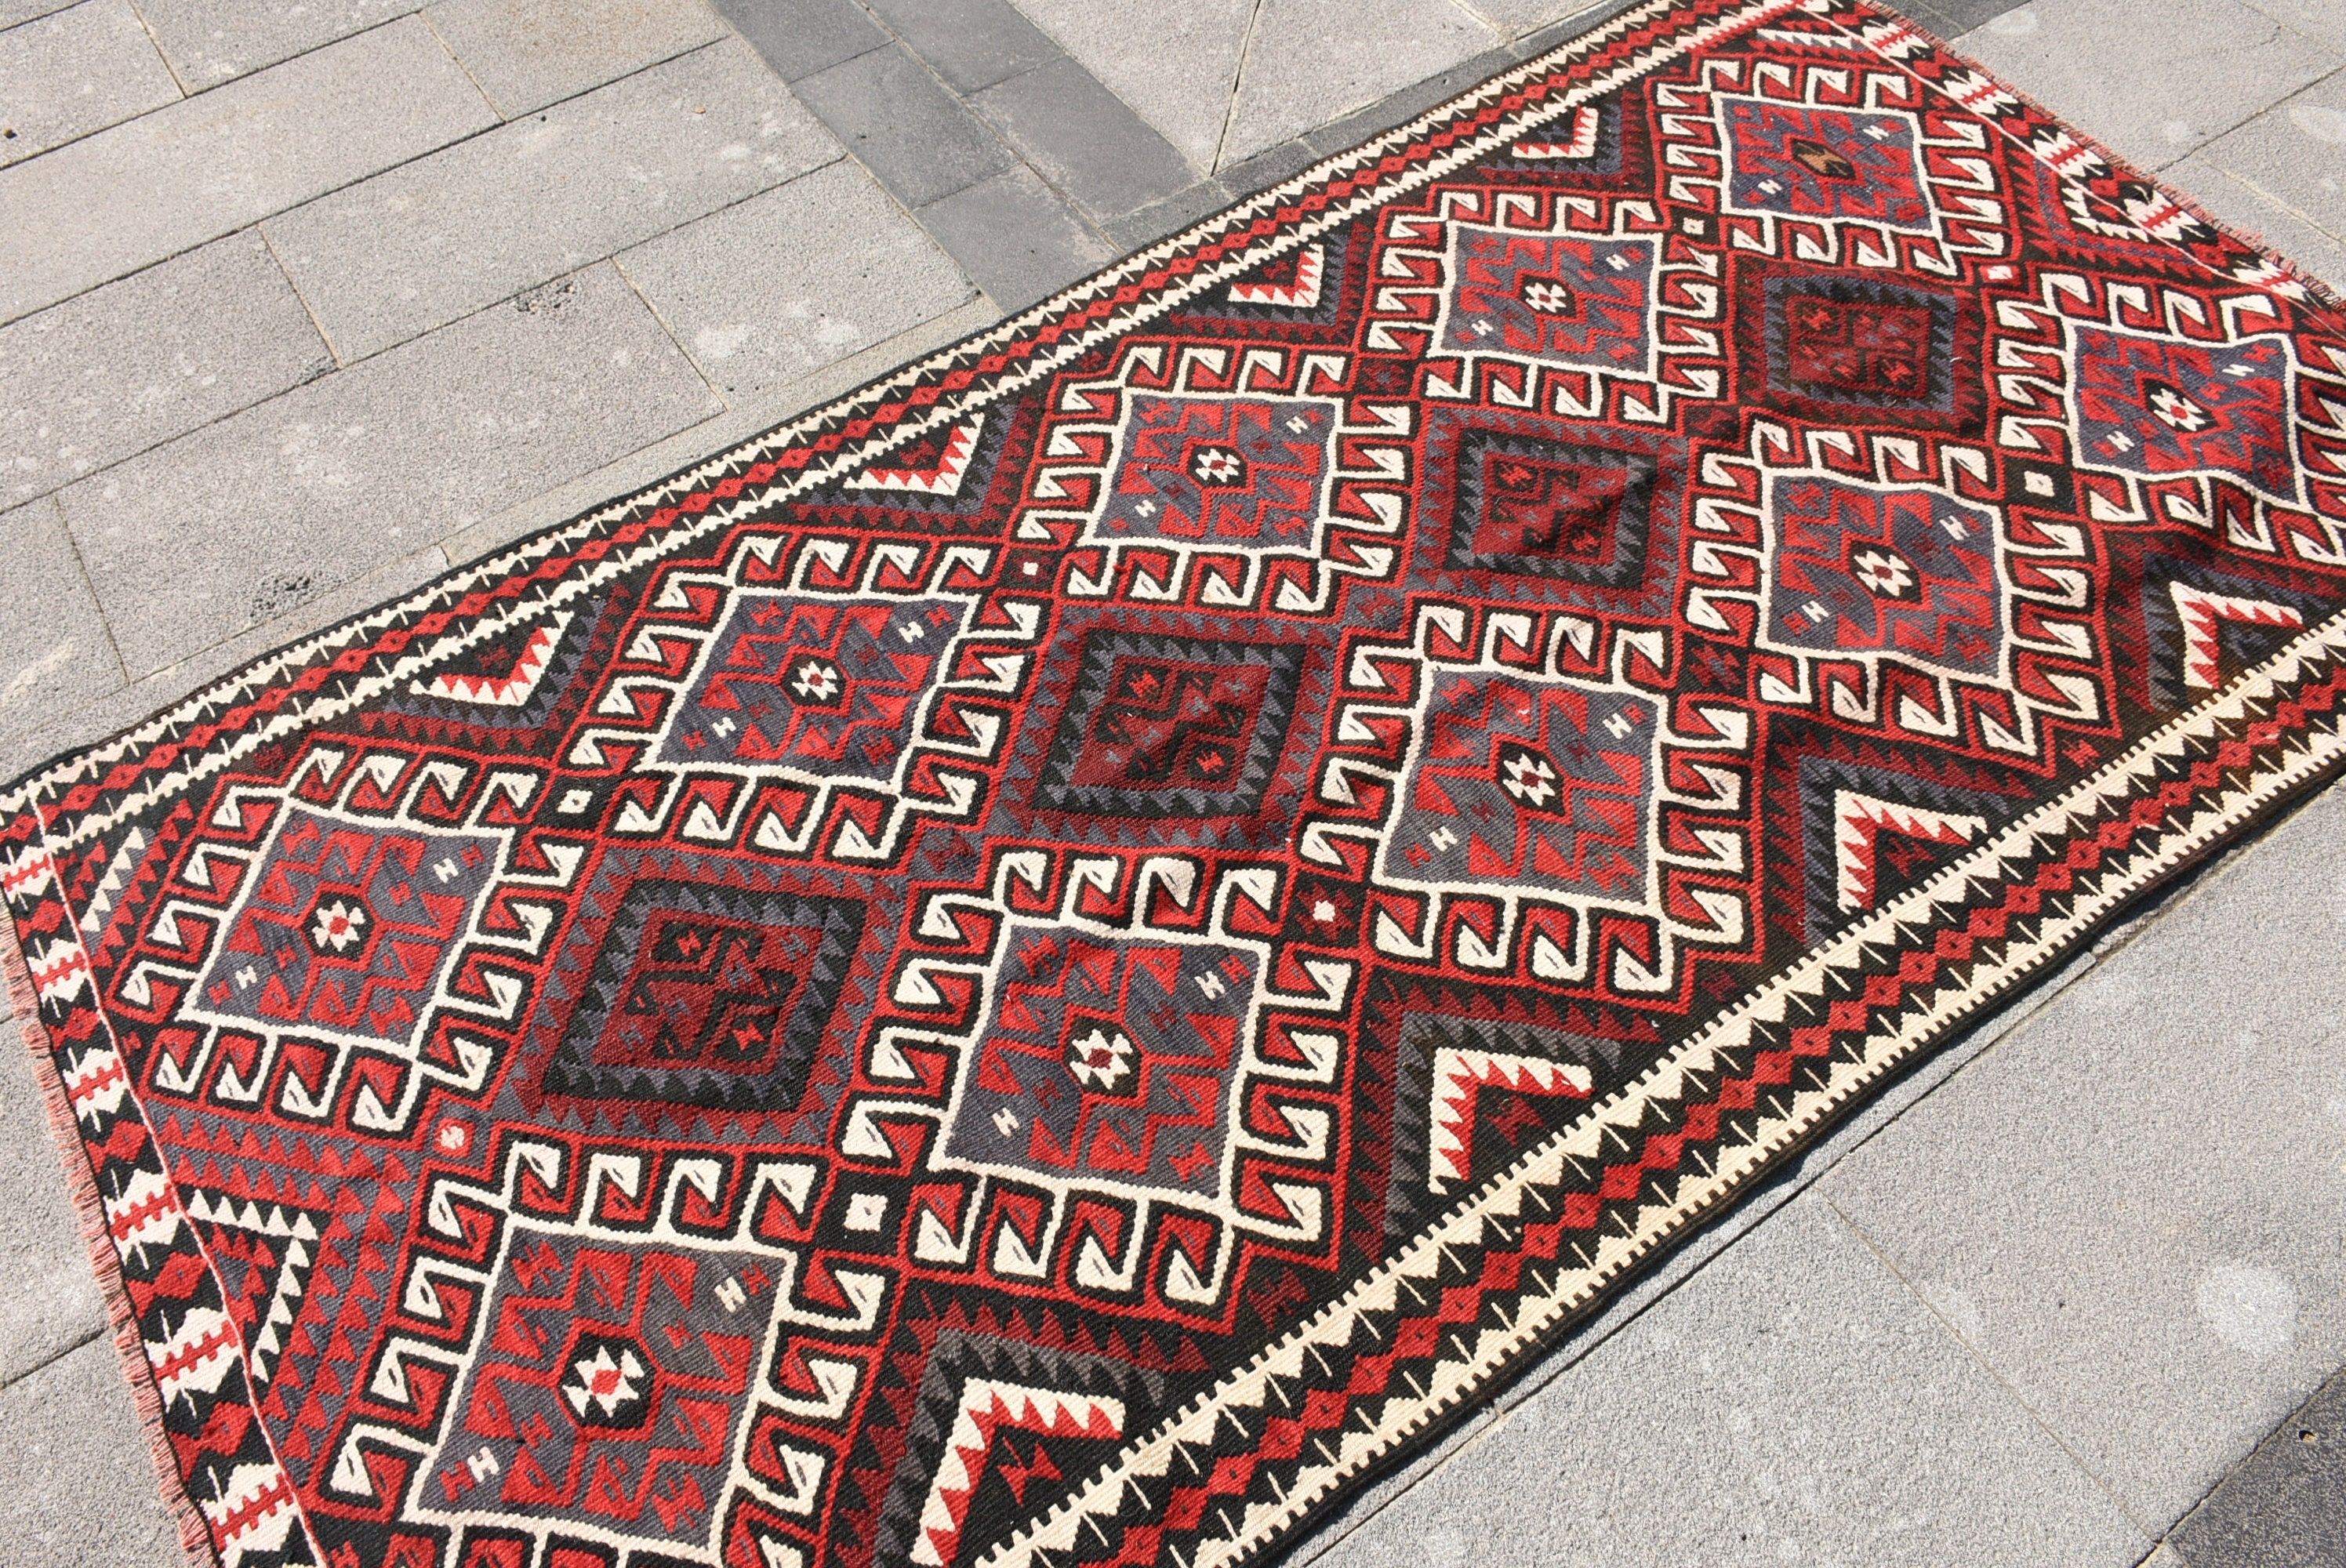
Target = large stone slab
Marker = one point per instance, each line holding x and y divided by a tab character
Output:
920	139
2294	154
972	44
207	166
1015	239
2140	89
77	1482
421	245
1312	61
74	72
2134	1208
1084	139
793	279
210	42
109	373
799	37
55	653
527	53
232	526
49	1300
1791	1403
1175	65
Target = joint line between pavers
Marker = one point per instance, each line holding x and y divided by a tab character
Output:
2150	1533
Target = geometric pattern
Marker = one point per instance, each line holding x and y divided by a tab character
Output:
1171	727
345	928
1105	1063
1072	954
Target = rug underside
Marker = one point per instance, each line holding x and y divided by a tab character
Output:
1063	959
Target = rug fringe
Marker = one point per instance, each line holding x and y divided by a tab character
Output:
90	1208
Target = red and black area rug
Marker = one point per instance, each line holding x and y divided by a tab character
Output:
1057	963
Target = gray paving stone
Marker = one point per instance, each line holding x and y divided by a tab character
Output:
2295	154
1312	61
1185	207
1960	16
2323	21
49	1300
74	72
799	37
972	44
1268	168
752	415
12	12
210	42
1175	65
1513	18
1015	239
54	658
2258	215
65	729
2285	1507
151	356
1791	1403
527	53
2124	83
1082	139
418	246
194	170
920	140
77	1485
227	527
2134	1208
793	280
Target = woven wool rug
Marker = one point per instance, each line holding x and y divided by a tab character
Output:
1062	960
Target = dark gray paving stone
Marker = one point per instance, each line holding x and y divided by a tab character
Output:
2126	83
77	1484
791	281
1191	204
419	246
1083	140
2133	1208
1268	168
972	44
52	658
799	37
922	142
49	1300
243	519
1791	1403
145	358
1957	16
191	171
527	53
2285	1507
1015	238
210	42
78	71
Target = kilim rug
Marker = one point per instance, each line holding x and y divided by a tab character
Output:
1059	961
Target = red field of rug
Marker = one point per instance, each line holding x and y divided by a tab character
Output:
1063	960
